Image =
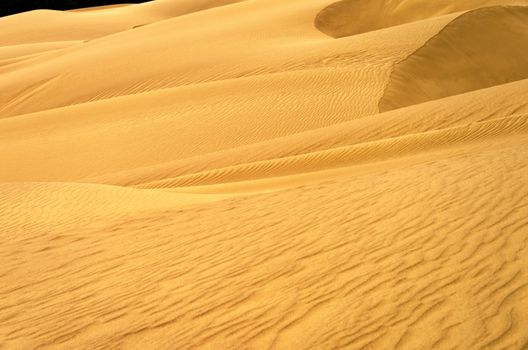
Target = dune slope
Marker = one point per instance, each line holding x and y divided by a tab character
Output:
265	174
463	57
350	17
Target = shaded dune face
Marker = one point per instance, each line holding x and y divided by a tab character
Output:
463	57
350	17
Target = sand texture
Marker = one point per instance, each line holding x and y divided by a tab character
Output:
265	174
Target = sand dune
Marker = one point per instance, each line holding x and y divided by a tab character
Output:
99	8
350	17
184	61
462	57
265	174
49	25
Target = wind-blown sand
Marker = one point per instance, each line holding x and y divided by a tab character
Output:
265	174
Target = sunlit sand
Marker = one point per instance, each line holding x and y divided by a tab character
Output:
265	174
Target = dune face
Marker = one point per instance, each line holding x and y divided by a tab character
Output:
350	17
265	174
463	57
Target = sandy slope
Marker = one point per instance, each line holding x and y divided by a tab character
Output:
463	57
349	17
256	174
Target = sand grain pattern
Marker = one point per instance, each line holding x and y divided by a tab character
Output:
265	174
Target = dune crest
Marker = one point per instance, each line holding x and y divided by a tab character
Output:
351	17
462	57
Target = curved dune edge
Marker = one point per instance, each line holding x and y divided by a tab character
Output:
99	8
350	17
40	26
43	206
462	58
352	155
502	101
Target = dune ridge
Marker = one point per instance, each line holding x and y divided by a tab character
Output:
265	174
466	48
351	17
356	154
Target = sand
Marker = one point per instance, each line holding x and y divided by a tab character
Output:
265	174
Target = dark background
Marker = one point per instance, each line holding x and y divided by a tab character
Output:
9	7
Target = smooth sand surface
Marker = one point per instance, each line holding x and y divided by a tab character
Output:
265	174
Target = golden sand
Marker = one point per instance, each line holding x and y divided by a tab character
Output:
265	174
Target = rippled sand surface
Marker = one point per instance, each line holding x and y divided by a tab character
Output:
265	174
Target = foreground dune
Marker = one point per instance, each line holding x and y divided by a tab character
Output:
265	174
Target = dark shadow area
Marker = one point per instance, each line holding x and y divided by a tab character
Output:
10	7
